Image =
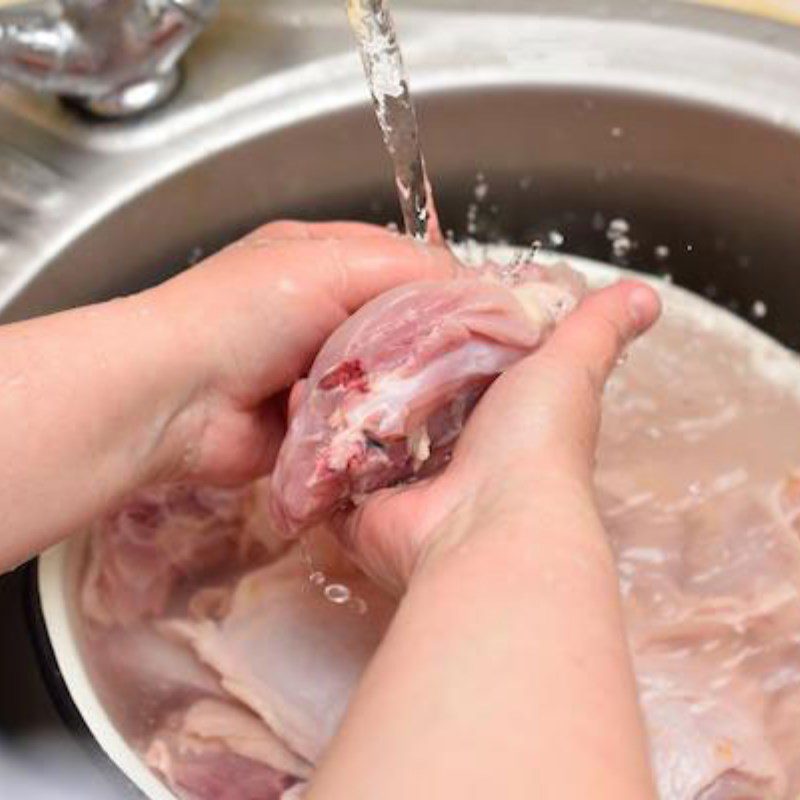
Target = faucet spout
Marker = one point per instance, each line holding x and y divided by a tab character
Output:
116	57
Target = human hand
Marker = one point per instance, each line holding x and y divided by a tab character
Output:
246	324
509	641
525	457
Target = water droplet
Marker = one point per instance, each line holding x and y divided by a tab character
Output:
305	553
317	578
555	238
359	605
617	132
695	489
621	246
337	593
759	309
392	227
472	219
623	359
481	187
689	248
661	252
617	228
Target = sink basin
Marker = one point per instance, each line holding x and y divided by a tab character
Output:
682	121
674	127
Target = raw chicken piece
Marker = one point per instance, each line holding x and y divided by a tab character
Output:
162	535
703	747
712	601
389	392
143	676
287	652
215	774
240	731
745	547
727	569
218	751
297	792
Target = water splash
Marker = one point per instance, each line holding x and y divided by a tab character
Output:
334	592
661	252
375	33
759	309
317	578
337	593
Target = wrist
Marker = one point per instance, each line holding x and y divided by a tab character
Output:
503	526
168	377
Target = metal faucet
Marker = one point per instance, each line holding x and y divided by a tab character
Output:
113	58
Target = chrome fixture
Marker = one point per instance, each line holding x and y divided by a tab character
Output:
114	58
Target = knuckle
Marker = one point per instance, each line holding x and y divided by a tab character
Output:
281	229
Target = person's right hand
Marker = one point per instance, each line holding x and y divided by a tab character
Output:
527	452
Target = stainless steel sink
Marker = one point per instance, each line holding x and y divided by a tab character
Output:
683	121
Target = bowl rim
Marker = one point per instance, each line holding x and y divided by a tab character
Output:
57	614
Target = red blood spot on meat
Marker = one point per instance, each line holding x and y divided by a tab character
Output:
347	375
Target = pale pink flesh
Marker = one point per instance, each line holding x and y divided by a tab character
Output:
215	751
694	472
141	676
287	652
164	536
225	726
389	392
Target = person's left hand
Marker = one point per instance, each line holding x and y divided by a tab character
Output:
249	320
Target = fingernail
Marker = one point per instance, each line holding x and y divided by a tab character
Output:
644	307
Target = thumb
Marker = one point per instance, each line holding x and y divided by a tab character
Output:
595	336
565	380
543	414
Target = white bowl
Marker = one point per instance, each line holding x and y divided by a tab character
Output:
58	573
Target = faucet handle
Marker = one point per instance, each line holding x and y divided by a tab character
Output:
113	58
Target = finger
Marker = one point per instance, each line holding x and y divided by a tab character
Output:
271	432
348	263
287	230
595	336
586	348
352	271
282	301
383	535
296	397
317	284
348	230
242	449
565	379
541	417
